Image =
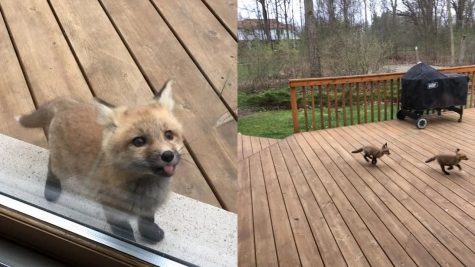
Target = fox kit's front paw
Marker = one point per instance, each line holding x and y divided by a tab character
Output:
150	230
52	187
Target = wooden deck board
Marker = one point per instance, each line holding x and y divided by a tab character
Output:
442	216
240	155
226	11
393	209
304	240
422	154
349	210
249	145
381	219
256	144
389	180
348	246
437	222
329	251
264	237
432	190
48	63
435	172
286	251
116	51
264	142
204	37
16	97
246	244
406	210
246	146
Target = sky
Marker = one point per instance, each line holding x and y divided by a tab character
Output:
247	10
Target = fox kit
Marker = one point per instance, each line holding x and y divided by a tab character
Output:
128	153
449	160
373	153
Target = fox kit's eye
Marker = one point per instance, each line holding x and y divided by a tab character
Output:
138	141
169	135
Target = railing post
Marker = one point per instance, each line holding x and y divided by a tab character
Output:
293	103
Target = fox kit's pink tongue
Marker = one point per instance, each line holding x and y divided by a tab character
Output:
168	169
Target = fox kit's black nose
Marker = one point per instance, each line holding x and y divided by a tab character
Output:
167	156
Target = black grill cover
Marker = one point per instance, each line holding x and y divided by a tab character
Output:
423	87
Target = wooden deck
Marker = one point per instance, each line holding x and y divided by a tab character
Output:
249	145
308	201
123	51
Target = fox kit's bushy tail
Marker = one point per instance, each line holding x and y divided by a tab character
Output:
42	117
358	150
431	159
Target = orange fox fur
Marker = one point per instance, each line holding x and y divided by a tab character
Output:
449	160
126	155
373	153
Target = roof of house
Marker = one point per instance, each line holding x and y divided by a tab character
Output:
258	23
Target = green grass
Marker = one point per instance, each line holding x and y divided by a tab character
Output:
279	124
272	124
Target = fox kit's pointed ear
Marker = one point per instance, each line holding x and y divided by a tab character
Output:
164	96
457	151
385	145
105	113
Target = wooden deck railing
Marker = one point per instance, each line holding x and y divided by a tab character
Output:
346	93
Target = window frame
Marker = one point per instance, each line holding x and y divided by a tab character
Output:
21	223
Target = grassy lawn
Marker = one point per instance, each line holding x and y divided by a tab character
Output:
278	124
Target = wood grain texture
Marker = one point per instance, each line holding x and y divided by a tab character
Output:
340	230
48	62
246	146
108	65
239	147
15	98
366	209
420	214
266	254
286	248
226	12
209	127
302	173
400	211
304	240
417	229
264	142
246	246
256	144
115	77
203	36
419	255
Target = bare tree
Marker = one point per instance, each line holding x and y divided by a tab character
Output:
365	15
266	19
312	43
460	7
286	3
451	31
422	14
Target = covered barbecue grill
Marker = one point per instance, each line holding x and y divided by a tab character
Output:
424	88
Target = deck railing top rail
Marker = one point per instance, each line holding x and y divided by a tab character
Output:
367	77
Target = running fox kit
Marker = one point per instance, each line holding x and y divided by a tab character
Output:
373	153
449	160
126	155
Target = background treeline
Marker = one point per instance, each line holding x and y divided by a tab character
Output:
349	37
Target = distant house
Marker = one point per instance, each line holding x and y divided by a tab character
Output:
250	29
